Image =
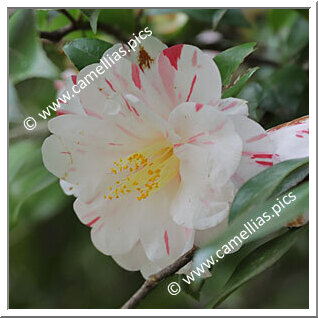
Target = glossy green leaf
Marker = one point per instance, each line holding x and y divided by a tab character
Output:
26	56
238	85
35	94
15	112
92	15
264	185
22	42
229	60
193	289
83	52
217	17
253	93
285	86
256	262
27	176
234	18
275	222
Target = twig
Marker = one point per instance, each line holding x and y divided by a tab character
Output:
68	15
155	279
57	35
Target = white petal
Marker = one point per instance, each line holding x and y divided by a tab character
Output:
209	132
258	149
115	223
231	106
69	188
163	240
291	139
133	260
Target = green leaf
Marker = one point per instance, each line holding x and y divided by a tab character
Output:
253	93
295	209
27	176
285	86
22	41
256	262
83	52
238	85
193	289
35	94
298	38
235	18
229	60
265	184
26	57
92	15
217	17
15	112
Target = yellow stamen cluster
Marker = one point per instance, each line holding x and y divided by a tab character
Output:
145	172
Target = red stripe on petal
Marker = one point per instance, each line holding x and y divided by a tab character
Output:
61	102
178	145
195	58
129	133
191	88
135	73
114	144
135	111
62	112
173	54
256	138
264	163
167	242
91	113
74	79
262	156
229	106
127	104
198	107
110	85
299	136
93	221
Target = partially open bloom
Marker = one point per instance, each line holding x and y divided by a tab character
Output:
153	154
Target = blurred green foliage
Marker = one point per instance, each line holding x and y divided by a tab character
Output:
53	263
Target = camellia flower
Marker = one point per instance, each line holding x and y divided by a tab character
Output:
154	155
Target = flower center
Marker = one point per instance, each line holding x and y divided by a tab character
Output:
145	171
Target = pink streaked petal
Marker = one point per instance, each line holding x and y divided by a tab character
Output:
110	85
256	138
173	54
166	238
74	78
195	58
90	224
135	73
198	107
129	133
91	113
191	88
